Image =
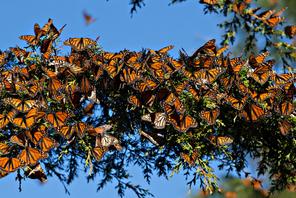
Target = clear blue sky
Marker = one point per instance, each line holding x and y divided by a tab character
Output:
154	26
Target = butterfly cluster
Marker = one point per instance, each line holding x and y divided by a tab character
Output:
39	98
48	99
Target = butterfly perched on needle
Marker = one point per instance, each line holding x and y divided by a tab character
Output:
88	18
35	172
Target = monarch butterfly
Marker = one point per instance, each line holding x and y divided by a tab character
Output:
57	119
182	122
163	72
237	104
169	109
34	136
46	48
190	159
38	32
181	87
145	85
260	97
30	39
19	139
209	48
9	164
47	143
290	31
242	89
289	90
252	112
284	127
220	140
258	60
35	172
264	15
285	108
20	54
158	119
280	79
227	82
109	140
260	76
68	131
85	86
30	156
175	63
174	101
275	18
99	130
235	65
98	152
164	50
208	76
4	148
21	73
113	68
6	118
54	33
209	2
88	18
129	76
45	29
20	105
27	120
134	101
210	116
80	129
79	44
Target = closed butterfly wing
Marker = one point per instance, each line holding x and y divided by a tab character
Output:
284	127
221	140
290	31
98	152
99	130
134	101
109	140
19	139
36	172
